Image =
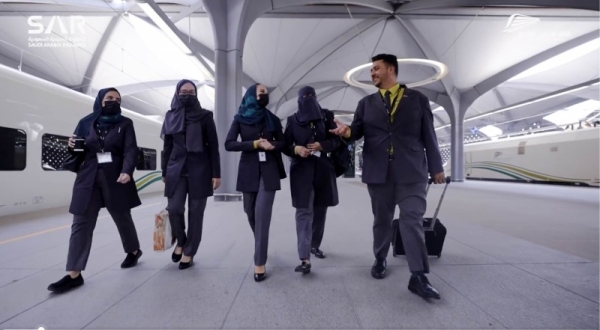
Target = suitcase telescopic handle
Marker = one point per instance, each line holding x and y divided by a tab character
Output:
437	210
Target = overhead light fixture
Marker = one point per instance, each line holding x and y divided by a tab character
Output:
441	70
558	60
574	113
522	104
160	22
491	131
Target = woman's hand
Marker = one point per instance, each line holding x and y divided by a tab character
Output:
124	178
266	145
302	152
216	183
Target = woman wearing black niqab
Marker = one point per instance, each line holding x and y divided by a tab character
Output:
190	167
104	179
312	174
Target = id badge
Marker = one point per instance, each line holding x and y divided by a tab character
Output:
104	157
262	156
317	154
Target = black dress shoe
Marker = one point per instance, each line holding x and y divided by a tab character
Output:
419	285
303	268
318	253
185	265
66	283
131	259
378	269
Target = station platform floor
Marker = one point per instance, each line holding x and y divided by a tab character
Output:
517	256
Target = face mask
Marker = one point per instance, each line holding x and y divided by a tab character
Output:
186	100
263	100
111	108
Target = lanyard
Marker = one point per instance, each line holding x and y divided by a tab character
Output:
398	96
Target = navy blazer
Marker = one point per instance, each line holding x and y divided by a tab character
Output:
201	168
250	169
121	142
411	133
312	173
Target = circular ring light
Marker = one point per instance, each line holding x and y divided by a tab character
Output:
441	70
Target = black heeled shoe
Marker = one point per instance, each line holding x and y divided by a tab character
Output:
176	257
258	277
185	265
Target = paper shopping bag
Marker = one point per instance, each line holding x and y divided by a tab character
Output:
163	235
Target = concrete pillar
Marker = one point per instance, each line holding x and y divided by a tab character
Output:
457	146
231	20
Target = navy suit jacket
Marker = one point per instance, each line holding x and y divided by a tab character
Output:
411	133
250	169
122	144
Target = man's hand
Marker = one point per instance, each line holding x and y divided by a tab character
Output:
341	130
216	183
439	178
314	146
302	152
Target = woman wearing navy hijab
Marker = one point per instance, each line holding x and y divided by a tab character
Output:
260	169
190	167
312	174
105	179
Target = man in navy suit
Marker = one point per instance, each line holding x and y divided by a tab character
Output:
400	150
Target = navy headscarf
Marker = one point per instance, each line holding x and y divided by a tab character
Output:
99	116
181	116
309	110
251	113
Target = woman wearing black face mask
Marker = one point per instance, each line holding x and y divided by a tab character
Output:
103	180
261	167
191	167
312	173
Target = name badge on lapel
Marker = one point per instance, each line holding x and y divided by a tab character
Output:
262	156
104	157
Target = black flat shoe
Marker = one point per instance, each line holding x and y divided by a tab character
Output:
131	259
318	253
66	283
303	268
176	257
185	265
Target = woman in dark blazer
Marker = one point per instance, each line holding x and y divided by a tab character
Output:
190	167
261	167
312	174
105	179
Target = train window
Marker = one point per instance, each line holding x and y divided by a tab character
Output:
146	159
54	151
13	149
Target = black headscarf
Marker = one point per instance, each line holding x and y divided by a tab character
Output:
309	111
251	113
99	116
181	116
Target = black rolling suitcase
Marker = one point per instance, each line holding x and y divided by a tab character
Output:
435	232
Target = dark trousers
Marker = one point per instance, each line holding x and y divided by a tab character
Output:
83	226
176	209
410	198
318	225
304	224
259	207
